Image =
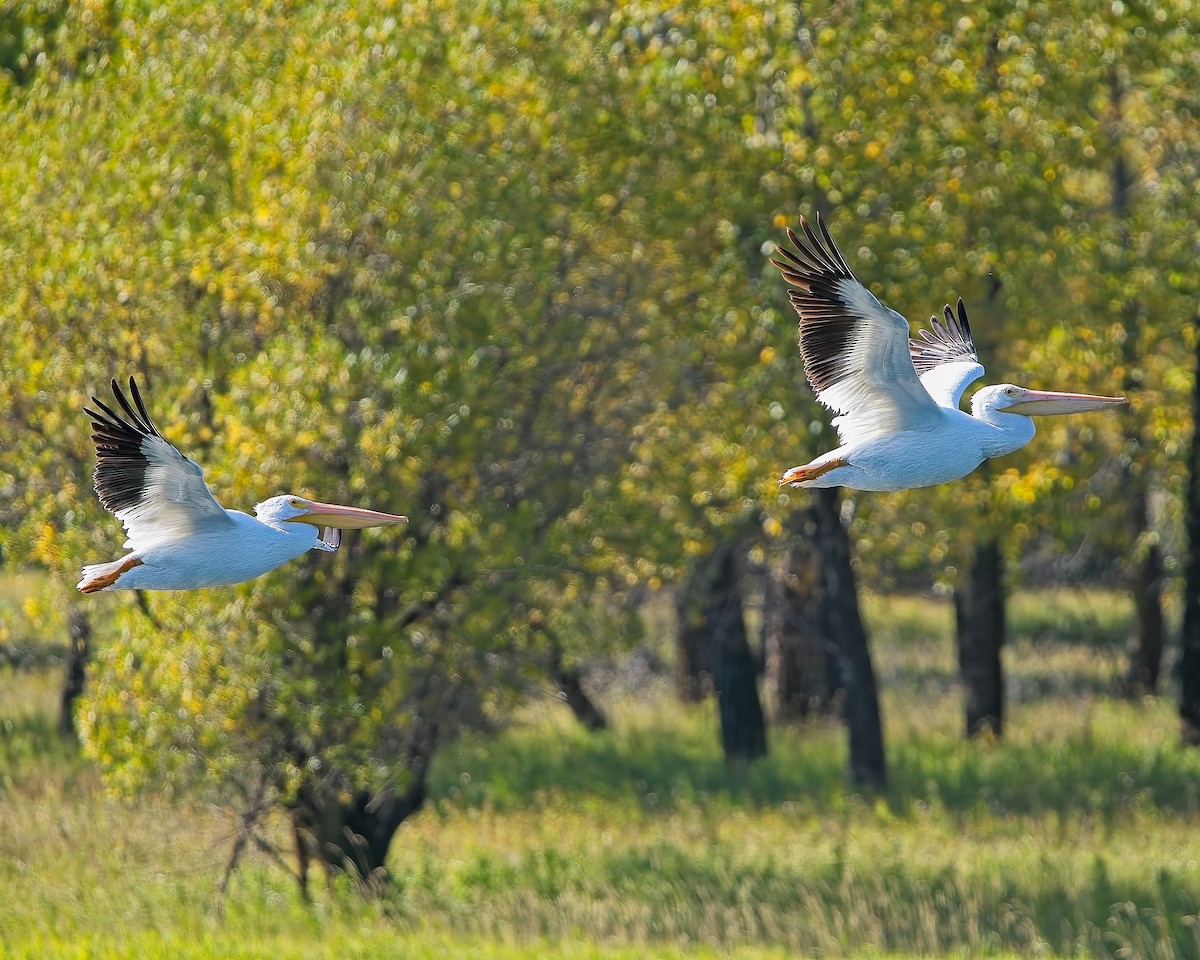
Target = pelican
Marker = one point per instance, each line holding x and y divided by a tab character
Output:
897	399
180	538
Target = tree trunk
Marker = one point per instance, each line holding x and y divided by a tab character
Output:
1145	569
693	650
848	647
980	628
349	830
798	669
1146	578
735	668
570	687
350	836
1189	640
75	664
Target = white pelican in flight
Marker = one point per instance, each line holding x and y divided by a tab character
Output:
180	537
897	399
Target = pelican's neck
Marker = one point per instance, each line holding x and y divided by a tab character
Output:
301	536
1009	431
296	534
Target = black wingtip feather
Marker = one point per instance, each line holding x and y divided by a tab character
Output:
816	268
813	257
137	399
140	417
945	341
121	465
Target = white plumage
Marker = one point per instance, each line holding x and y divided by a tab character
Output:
897	399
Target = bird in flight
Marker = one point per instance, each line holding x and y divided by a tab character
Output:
180	538
897	399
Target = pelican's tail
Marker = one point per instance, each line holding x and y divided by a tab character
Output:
105	576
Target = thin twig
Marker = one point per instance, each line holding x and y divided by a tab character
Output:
246	822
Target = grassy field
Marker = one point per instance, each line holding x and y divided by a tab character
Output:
1076	835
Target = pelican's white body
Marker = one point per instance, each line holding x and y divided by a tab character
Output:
218	556
947	447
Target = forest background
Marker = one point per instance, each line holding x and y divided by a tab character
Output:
503	268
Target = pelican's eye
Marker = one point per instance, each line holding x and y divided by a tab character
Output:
1011	391
296	503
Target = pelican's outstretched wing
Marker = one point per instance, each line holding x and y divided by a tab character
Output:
855	350
945	357
154	490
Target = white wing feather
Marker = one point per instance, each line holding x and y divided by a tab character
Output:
947	381
156	492
880	393
176	502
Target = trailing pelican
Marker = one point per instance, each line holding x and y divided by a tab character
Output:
180	538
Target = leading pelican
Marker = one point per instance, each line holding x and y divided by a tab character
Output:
897	399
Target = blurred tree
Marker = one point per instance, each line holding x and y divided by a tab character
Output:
735	667
1145	571
569	681
852	659
75	665
796	645
714	655
1189	660
975	147
694	645
980	628
403	257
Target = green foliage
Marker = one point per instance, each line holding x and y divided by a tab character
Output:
503	268
45	39
422	259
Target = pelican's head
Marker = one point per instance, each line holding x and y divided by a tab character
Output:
1009	398
290	508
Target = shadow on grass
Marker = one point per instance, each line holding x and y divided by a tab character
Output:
806	770
923	682
654	768
1068	777
837	898
24	654
831	904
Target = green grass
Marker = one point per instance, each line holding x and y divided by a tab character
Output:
1075	835
338	943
